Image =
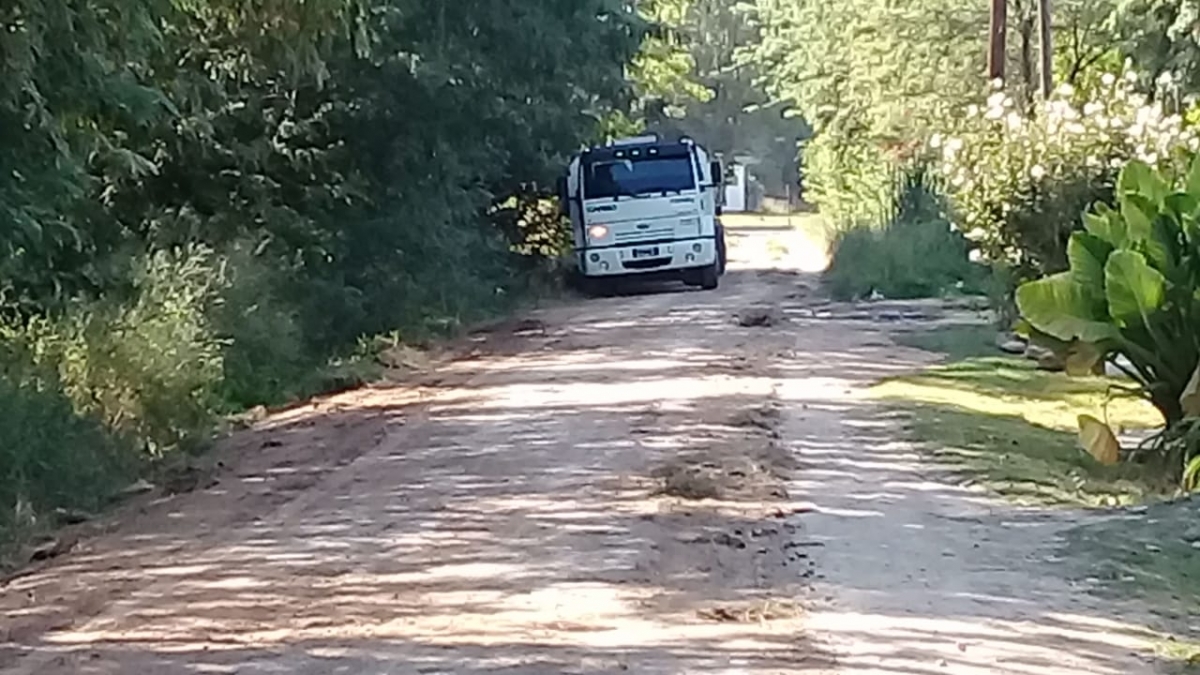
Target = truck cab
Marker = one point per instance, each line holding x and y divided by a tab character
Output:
647	208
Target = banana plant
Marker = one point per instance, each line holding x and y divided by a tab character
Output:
1132	290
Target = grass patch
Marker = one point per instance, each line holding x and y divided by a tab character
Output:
1025	462
911	253
1011	387
1011	427
907	259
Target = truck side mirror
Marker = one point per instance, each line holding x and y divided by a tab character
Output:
718	176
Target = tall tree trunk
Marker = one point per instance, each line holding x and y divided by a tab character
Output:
1047	48
1025	30
997	39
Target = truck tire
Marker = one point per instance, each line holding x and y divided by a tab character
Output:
721	255
710	277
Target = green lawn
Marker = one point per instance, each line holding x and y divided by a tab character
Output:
1011	427
1003	424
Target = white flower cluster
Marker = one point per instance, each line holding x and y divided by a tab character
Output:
997	155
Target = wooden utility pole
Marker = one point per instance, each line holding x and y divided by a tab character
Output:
997	38
1047	48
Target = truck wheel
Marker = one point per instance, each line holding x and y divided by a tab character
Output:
710	277
721	256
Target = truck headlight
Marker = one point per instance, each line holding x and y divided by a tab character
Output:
598	231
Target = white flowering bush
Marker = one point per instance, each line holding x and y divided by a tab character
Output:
1019	180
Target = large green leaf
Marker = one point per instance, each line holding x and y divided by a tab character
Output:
1191	474
1087	254
1162	247
1135	290
1107	224
1138	213
1193	177
1139	178
1181	205
1189	401
1059	306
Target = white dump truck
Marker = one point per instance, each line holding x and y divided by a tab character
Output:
648	208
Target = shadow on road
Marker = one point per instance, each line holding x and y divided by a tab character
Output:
504	521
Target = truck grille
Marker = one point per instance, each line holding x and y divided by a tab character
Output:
649	234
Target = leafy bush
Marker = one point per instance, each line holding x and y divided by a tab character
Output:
916	254
146	368
52	457
265	356
849	180
1017	181
1133	289
336	172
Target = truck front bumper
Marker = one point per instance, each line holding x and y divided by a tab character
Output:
682	255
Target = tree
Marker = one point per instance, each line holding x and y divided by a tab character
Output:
871	77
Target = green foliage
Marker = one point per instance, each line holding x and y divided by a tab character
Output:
1191	474
266	356
204	203
871	77
916	254
1018	180
876	79
665	68
1133	286
147	367
1086	43
50	456
850	180
723	103
1159	36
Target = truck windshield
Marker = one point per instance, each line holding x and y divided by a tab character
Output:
638	176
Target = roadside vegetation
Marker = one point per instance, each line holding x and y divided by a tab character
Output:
913	253
1070	199
1073	209
211	207
1001	423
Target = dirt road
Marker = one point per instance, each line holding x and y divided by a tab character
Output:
635	485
